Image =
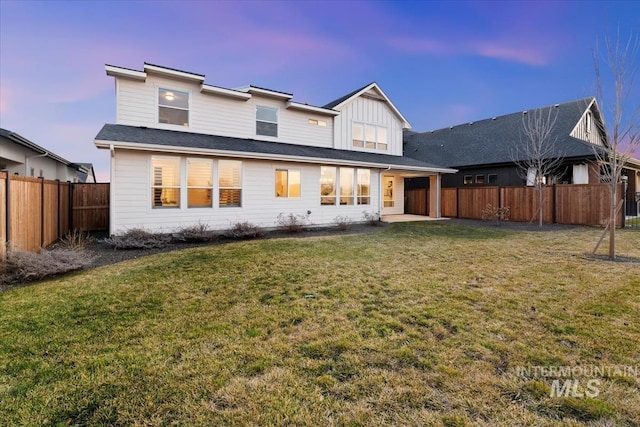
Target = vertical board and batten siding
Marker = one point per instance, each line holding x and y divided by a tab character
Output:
90	211
132	209
523	203
137	105
368	111
3	214
472	201
580	131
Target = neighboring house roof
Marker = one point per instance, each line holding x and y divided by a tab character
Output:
82	168
490	141
338	103
21	140
144	138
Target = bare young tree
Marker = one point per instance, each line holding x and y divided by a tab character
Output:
537	155
616	67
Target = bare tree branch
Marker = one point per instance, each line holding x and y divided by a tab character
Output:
616	68
537	155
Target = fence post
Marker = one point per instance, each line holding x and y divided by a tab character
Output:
7	208
457	202
58	211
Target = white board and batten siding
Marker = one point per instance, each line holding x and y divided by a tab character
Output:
137	105
133	208
590	133
372	111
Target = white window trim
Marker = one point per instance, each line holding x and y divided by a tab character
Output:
218	188
338	196
364	137
288	170
277	110
150	185
187	186
157	103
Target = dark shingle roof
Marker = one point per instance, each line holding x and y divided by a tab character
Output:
490	141
344	98
169	138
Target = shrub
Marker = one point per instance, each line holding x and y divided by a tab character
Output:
371	218
492	213
20	266
138	238
343	223
243	230
76	240
293	223
195	233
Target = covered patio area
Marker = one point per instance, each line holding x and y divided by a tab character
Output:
409	218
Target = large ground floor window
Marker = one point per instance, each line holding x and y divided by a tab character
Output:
172	176
353	186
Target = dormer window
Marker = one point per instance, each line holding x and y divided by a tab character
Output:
369	136
266	121
588	122
173	107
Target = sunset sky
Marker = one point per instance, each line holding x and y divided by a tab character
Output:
441	63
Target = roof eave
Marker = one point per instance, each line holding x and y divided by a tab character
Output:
107	144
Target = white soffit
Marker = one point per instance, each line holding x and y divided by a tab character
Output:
114	71
310	108
229	93
173	73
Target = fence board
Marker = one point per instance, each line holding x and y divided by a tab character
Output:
25	202
523	203
449	202
63	208
90	210
471	201
50	211
3	214
586	204
416	201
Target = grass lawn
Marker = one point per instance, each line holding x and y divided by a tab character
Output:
420	324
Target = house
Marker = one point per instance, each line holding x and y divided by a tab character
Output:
185	152
483	153
19	156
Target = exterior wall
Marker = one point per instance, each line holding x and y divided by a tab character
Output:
369	111
19	160
137	105
132	208
594	135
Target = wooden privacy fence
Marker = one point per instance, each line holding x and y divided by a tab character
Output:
36	212
579	204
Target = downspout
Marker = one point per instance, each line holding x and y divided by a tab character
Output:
26	161
112	187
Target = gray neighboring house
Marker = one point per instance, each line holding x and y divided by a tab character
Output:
481	150
22	157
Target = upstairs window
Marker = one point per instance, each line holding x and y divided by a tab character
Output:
369	136
287	183
165	182
173	107
230	183
317	122
588	122
266	121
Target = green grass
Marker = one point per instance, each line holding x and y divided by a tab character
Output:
420	324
